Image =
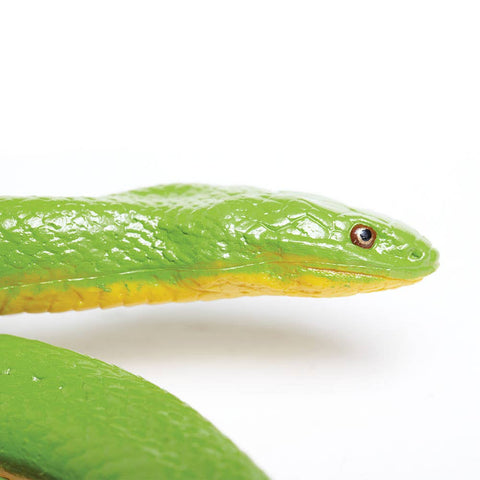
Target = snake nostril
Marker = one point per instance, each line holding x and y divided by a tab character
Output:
416	255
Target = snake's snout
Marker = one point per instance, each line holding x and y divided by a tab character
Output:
424	258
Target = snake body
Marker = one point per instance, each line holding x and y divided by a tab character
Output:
65	416
189	242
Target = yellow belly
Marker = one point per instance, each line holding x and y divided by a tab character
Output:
212	287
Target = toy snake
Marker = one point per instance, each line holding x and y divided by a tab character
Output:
65	416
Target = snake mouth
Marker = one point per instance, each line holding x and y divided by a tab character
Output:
343	282
361	275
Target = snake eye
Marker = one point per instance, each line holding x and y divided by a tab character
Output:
363	236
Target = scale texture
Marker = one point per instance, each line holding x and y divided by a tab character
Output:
65	416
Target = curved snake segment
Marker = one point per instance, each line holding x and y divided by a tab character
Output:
66	416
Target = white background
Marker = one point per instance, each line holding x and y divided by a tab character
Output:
376	104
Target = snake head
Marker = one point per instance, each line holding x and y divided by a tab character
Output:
324	248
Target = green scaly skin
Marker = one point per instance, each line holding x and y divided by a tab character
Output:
65	416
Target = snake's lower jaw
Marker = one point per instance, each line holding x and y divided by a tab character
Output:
308	282
340	284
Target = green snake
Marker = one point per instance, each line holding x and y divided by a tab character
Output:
66	416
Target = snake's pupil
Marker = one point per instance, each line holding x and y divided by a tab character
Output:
365	234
